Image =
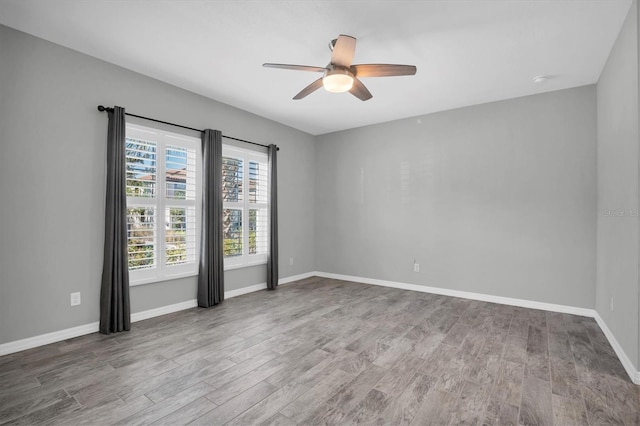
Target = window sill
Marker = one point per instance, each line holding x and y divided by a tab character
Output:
152	280
245	265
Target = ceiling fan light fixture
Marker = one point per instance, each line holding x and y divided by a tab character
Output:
337	80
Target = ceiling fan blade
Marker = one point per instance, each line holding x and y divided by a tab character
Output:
295	67
360	91
343	51
382	70
309	89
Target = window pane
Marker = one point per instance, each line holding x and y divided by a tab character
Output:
180	173
258	231
231	179
232	232
258	182
180	236
141	168
141	226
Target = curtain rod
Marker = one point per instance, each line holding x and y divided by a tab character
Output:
103	108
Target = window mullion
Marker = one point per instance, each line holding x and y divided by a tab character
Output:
161	205
245	211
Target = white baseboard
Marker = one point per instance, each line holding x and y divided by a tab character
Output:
69	333
45	339
634	375
465	295
295	278
622	356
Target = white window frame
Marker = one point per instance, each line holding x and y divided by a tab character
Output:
246	259
162	138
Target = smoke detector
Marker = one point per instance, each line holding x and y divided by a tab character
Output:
539	79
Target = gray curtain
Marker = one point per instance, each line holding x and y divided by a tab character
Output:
211	273
272	260
114	294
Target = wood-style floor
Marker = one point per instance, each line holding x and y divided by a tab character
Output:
328	352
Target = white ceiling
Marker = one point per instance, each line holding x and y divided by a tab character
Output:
467	52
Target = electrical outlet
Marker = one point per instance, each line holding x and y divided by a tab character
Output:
75	299
611	304
290	261
416	267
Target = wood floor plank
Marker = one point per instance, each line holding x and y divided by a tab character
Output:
21	395
391	355
485	370
235	387
508	386
456	335
185	381
351	335
55	410
403	408
19	382
567	411
106	413
471	404
537	365
625	395
30	406
279	420
222	378
515	349
400	375
564	378
298	368
352	393
236	405
209	349
536	407
438	360
187	413
272	404
344	360
437	409
599	407
508	415
309	401
519	327
132	374
369	409
137	389
168	406
326	414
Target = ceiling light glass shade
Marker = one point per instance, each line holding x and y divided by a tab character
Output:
337	82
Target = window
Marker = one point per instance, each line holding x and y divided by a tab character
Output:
245	197
163	178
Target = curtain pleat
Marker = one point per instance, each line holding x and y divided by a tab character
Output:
211	271
272	259
114	294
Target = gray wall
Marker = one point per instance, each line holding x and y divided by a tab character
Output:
496	199
52	175
618	253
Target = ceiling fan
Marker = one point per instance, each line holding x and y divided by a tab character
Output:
340	76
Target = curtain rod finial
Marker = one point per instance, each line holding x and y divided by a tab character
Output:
102	108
